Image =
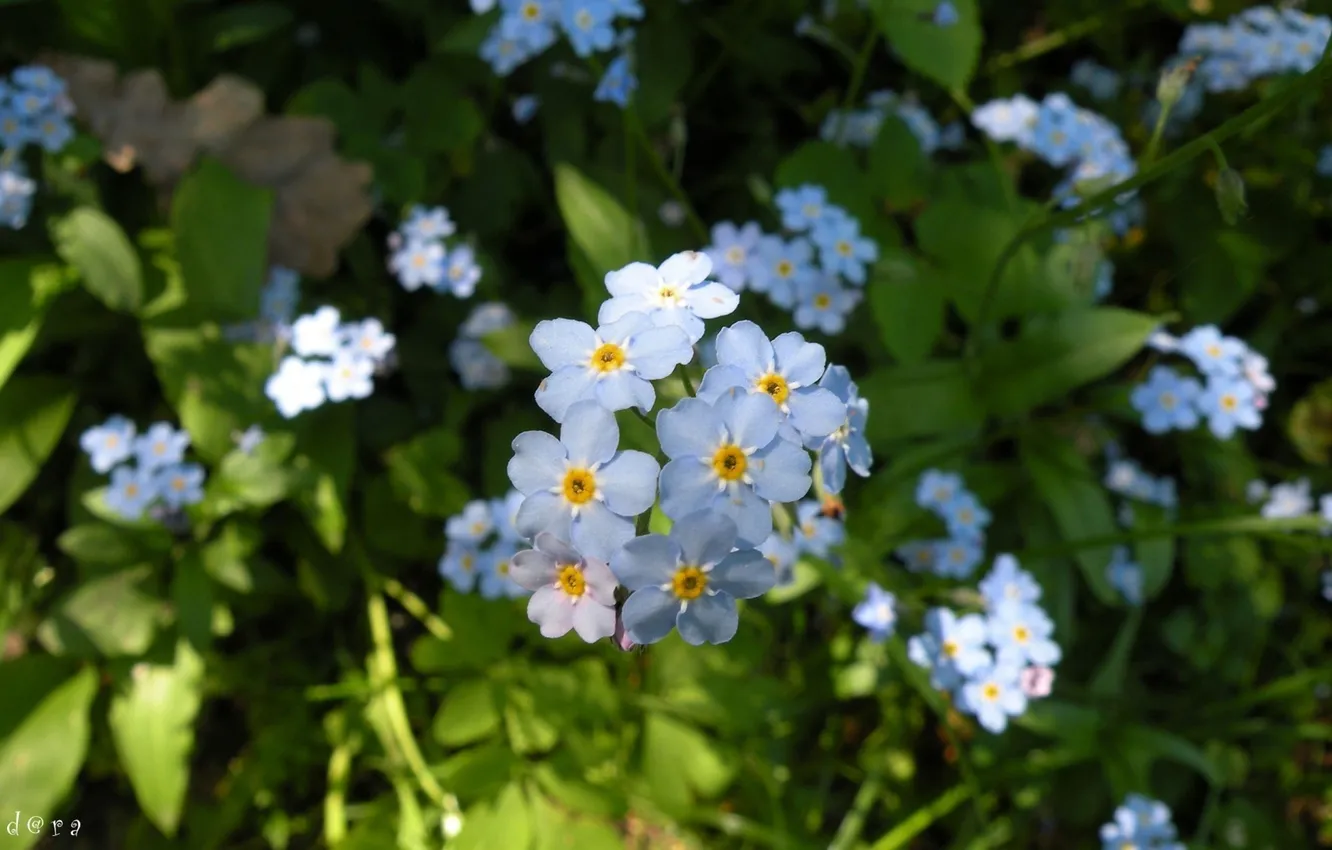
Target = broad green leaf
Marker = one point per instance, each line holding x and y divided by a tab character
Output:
419	472
1055	355
152	724
92	242
439	115
607	234
664	60
102	544
237	26
26	291
1108	682
1153	744
507	823
44	732
109	615
923	399
1073	492
898	169
255	480
468	714
948	55
530	732
1156	555
192	593
221	226
907	301
679	761
556	829
33	414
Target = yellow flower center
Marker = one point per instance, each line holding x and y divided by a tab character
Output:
990	691
775	386
689	583
844	248
1213	350
418	260
729	463
159	448
1021	634
1229	402
822	301
1058	137
608	357
941	494
502	568
112	441
478	527
668	294
131	490
1168	400
785	268
811	210
580	486
583	19
950	648
735	255
957	554
571	580
531	11
965	516
177	483
467	562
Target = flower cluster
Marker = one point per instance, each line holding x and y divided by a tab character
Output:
1233	394
34	109
944	494
1066	136
860	127
1124	476
332	360
1256	43
1289	500
818	531
803	269
158	481
992	663
733	453
1141	823
482	541
420	257
477	367
528	28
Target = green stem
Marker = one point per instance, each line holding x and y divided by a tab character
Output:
1060	38
857	78
416	606
630	177
848	833
688	384
1182	155
1278	528
1158	131
335	800
667	179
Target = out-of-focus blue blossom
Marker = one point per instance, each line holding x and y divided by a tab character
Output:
822	303
672	213
876	612
781	267
588	24
958	557
993	695
936	490
1167	400
474	524
1126	478
160	445
525	107
1288	499
952	648
108	444
180	484
1228	404
816	533
1324	165
803	207
131	491
782	553
1259	42
332	361
945	14
846	446
147	471
843	250
1103	83
966	518
860	127
734	253
689	580
16	191
1007	582
1020	633
1141	823
250	439
1125	575
618	83
476	366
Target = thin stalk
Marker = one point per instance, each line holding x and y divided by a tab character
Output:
417	607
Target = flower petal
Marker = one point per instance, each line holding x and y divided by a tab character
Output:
690	429
543	511
599	533
562	342
549	608
557	547
709	619
623	390
815	411
751	419
589	433
712	300
614	309
686	486
633	279
743	574
704	537
799	361
592	621
649	614
647	561
629	482
532	569
564	388
656	351
718	380
781	471
745	346
687	267
537	462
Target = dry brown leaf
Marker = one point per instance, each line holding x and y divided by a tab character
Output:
320	199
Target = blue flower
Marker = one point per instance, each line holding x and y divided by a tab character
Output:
1102	82
349	376
945	14
1324	165
298	385
734	253
617	84
473	525
786	369
477	368
161	445
52	132
109	443
1125	575
504	516
613	365
570	590
782	553
816	533
1212	352
367	339
504	54
993	695
920	556
1167	400
936	490
317	334
530	22
418	263
952	647
427	224
842	250
16	191
965	517
180	484
677	292
876	612
1020	633
1008	583
460	565
1140	823
727	457
130	491
487	318
823	303
496	573
250	439
277	300
845	446
689	580
461	272
632	9
578	487
781	267
1228	403
1011	120
16	129
587	23
525	108
802	207
959	557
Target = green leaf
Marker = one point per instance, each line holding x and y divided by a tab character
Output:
607	234
1057	354
240	25
1108	683
507	823
152	724
33	414
680	761
327	454
898	168
1159	744
419	473
93	243
946	54
102	544
1156	555
468	714
44	732
907	300
1080	505
439	116
529	731
221	226
109	615
23	307
255	480
922	399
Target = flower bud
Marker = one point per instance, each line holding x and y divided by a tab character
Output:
1230	195
1170	87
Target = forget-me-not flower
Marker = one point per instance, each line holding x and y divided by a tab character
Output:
460	565
1020	633
965	517
1167	400
570	590
876	612
689	580
817	533
617	84
418	263
952	648
613	365
677	292
180	484
734	253
822	302
802	207
1228	403
936	490
727	456
1008	583
846	445
994	694
296	386
160	445
1213	352
587	23
579	487
473	525
130	491
109	443
842	249
781	266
